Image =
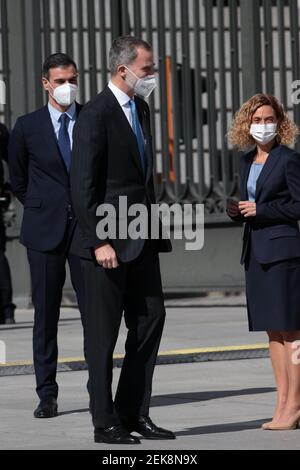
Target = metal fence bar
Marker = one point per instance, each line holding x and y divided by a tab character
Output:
165	189
46	28
103	45
234	54
235	74
57	25
125	18
281	52
116	13
137	18
92	48
33	54
211	106
190	193
268	45
80	46
200	84
223	100
69	27
149	38
176	115
251	47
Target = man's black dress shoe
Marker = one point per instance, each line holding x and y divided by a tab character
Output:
144	426
115	435
47	408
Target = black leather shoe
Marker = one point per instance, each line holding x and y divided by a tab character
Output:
47	409
144	426
115	435
9	314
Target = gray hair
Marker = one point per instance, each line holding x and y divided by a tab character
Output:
124	51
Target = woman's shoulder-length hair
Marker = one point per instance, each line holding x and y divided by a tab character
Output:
239	133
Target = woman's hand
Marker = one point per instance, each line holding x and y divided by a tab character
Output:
247	208
232	209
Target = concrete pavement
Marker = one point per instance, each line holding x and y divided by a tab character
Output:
190	324
217	405
210	405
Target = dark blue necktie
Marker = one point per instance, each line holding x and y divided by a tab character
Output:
138	133
64	140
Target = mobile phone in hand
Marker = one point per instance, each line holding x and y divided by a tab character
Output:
232	202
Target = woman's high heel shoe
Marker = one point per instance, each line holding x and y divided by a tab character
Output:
265	426
288	426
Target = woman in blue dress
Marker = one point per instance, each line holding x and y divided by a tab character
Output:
270	208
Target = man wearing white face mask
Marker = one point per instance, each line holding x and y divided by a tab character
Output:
113	157
39	161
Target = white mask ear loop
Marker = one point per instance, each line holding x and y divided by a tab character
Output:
138	78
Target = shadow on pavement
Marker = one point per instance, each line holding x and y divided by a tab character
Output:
180	398
223	428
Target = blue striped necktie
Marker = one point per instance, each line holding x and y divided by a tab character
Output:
138	133
64	140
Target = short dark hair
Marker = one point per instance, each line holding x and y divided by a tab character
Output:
57	60
124	51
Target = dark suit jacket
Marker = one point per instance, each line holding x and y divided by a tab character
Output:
40	180
274	231
4	137
105	165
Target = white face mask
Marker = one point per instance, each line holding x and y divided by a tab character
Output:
65	94
141	86
263	133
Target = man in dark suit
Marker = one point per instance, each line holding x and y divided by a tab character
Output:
7	308
39	161
112	157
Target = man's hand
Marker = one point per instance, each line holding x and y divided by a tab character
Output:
247	208
106	256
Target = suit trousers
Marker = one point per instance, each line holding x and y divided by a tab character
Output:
48	274
7	307
133	288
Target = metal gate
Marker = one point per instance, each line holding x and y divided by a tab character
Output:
211	55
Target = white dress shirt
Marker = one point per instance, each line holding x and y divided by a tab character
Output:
123	100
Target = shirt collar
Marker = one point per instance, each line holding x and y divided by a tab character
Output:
122	97
55	113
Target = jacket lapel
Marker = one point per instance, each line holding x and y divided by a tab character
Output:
125	129
78	108
245	174
147	135
50	139
268	167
